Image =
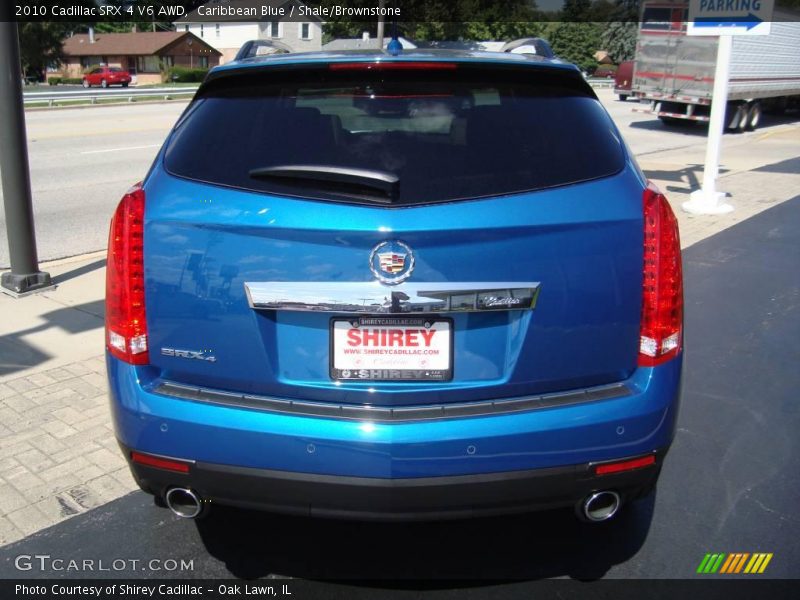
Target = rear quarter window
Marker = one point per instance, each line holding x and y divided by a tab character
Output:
461	134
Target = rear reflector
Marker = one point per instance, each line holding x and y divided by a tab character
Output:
392	66
159	463
628	465
126	323
661	328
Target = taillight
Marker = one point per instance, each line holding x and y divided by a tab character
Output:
661	329
126	323
393	66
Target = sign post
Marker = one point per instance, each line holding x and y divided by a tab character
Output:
724	19
24	275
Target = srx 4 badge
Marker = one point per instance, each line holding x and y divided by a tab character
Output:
192	354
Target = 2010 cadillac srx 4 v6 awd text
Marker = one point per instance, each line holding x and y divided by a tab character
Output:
395	287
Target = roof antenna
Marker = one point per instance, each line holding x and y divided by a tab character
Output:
395	47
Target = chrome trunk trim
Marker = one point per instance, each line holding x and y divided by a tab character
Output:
373	297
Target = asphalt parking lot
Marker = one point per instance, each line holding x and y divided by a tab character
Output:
730	483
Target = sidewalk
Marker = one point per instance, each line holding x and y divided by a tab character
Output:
759	172
58	455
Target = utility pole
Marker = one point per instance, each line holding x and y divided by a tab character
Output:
25	275
381	21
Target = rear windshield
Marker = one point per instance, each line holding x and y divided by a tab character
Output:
443	135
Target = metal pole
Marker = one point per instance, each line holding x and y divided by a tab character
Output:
381	21
707	200
25	275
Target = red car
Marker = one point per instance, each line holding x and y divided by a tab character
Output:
106	76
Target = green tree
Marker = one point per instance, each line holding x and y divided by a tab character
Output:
619	37
619	40
40	45
577	42
576	11
602	10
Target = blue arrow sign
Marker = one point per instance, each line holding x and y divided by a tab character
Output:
748	21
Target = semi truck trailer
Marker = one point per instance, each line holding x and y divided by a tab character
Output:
674	72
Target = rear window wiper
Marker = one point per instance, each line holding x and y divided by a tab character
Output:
341	179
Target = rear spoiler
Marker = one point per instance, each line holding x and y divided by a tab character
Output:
568	73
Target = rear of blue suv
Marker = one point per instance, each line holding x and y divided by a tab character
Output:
412	287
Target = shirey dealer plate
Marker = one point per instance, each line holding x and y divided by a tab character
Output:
392	349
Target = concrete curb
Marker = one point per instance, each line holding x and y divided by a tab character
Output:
68	260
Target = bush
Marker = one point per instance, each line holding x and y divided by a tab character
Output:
184	75
72	81
53	80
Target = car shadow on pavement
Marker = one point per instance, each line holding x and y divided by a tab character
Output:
428	555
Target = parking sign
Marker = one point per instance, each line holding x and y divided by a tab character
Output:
730	17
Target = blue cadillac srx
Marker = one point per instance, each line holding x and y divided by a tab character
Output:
395	287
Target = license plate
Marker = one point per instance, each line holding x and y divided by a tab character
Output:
392	349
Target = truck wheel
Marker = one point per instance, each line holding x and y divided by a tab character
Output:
736	117
754	116
623	97
744	118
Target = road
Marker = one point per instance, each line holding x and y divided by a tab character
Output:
83	160
729	484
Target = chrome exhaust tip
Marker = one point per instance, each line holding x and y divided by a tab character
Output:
600	506
184	502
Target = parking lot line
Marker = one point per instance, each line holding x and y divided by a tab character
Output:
121	149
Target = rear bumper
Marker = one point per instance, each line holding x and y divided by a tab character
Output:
460	466
424	498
